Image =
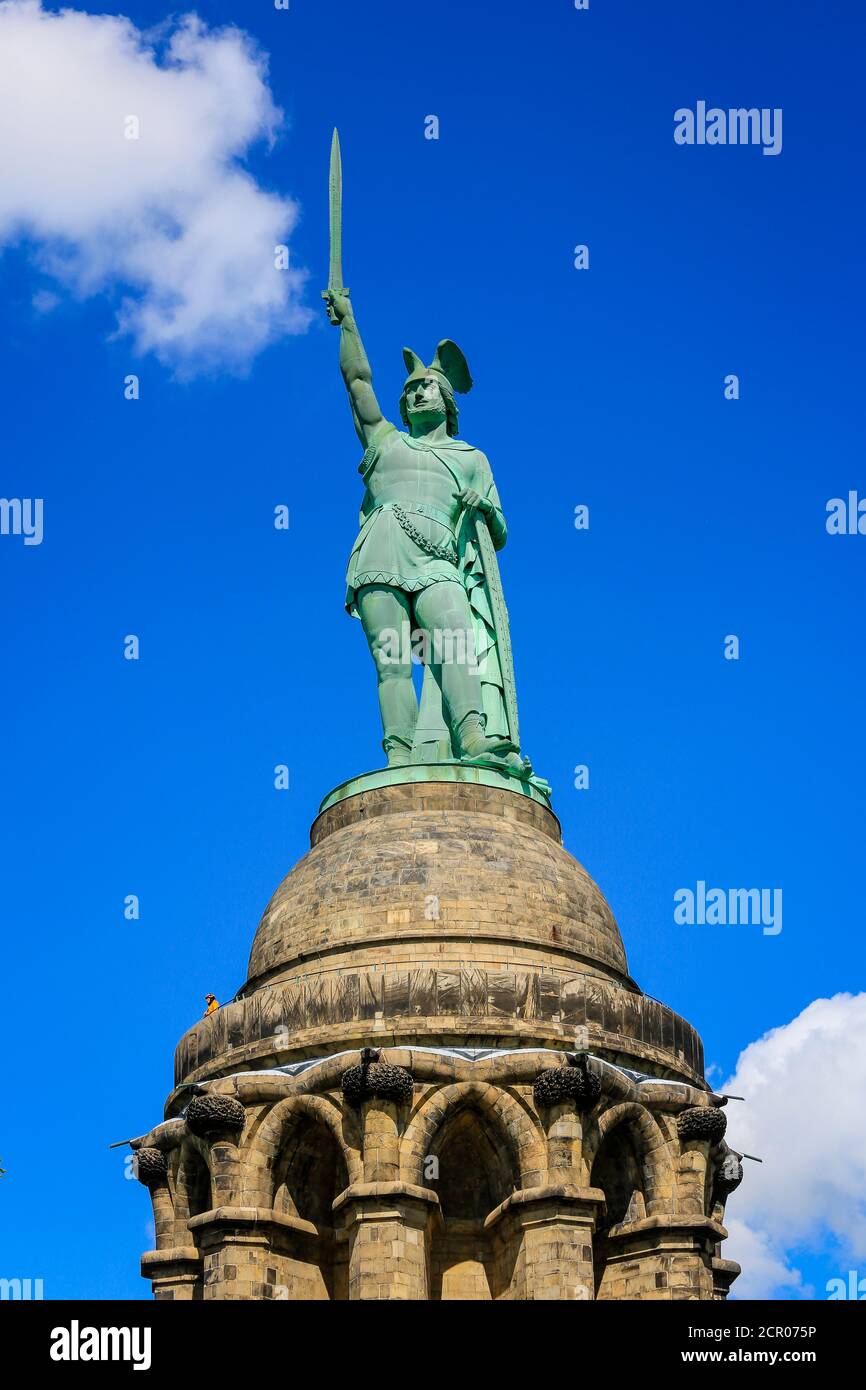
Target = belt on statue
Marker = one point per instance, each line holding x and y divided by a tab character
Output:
446	551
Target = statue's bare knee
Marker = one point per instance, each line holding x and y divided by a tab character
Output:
386	651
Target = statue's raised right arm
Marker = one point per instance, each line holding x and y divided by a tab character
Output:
357	374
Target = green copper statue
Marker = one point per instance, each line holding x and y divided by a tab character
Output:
423	576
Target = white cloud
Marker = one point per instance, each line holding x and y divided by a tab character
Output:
172	221
804	1085
766	1272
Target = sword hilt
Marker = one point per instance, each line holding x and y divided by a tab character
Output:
326	295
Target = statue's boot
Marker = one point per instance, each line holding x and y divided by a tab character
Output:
473	743
398	749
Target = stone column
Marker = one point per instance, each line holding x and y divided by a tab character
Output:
381	1140
235	1245
662	1257
387	1225
219	1120
552	1225
253	1253
699	1128
386	1222
379	1091
151	1168
562	1095
564	1143
552	1228
175	1272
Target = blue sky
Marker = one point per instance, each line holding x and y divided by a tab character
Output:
604	388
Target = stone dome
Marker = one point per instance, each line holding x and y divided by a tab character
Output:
454	865
437	914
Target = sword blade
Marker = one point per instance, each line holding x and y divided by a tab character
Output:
335	206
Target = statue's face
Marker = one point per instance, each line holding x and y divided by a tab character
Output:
424	397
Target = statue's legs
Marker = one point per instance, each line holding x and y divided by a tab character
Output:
443	612
383	611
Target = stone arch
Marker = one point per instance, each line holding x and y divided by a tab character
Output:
309	1172
485	1145
267	1148
648	1143
295	1165
518	1131
628	1158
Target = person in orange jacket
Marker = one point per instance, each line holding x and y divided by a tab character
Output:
212	1004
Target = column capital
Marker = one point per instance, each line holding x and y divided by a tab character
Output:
174	1273
553	1201
158	1261
672	1228
724	1274
373	1200
253	1222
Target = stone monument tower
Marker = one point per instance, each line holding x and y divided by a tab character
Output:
439	1080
